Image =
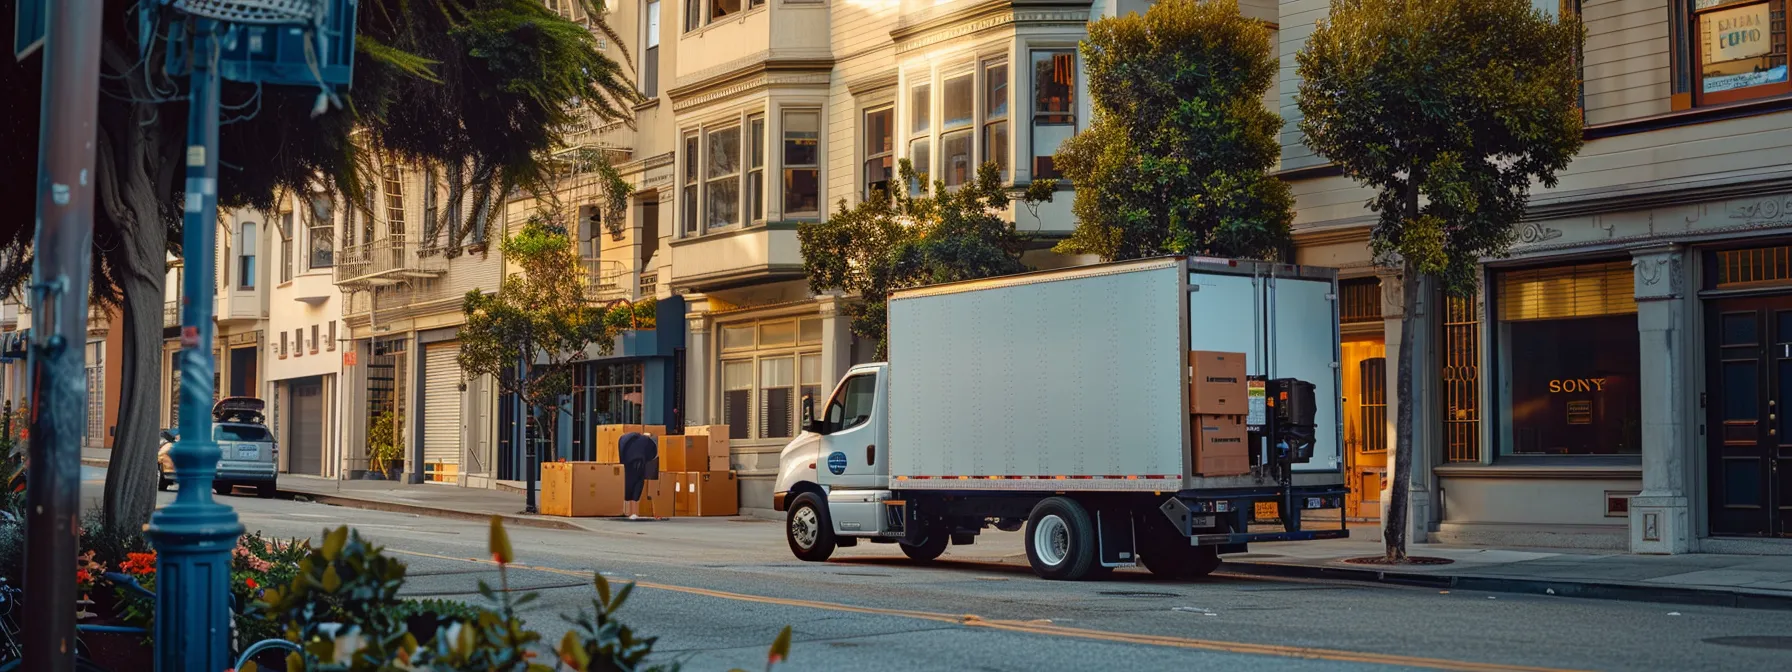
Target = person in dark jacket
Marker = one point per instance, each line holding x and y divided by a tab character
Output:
640	463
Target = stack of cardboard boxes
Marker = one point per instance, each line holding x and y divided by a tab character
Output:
1218	404
694	479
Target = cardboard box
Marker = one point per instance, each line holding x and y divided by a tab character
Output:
718	440
656	499
581	489
609	435
1217	383
718	463
1221	445
706	493
684	453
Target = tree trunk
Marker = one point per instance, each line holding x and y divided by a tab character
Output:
1394	527
135	174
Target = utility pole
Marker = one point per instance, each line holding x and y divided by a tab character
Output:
65	178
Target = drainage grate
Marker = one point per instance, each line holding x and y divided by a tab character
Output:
1128	593
1754	642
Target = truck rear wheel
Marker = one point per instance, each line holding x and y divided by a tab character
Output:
808	528
1061	540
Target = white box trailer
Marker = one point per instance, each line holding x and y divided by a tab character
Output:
1060	400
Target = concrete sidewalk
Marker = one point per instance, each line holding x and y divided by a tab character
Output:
1703	579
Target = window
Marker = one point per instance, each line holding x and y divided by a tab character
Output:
348	226
756	168
245	250
920	113
394	203
1739	49
721	189
852	407
331	344
650	57
737	397
808	379
956	111
880	147
286	251
689	203
314	339
722	8
737	338
284	341
995	117
96	394
693	15
777	379
323	232
232	432
1569	360
802	163
298	342
777	334
1054	106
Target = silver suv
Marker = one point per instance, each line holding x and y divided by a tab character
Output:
248	454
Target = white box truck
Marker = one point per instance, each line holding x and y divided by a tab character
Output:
1059	402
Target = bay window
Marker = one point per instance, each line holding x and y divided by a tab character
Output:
880	150
1738	50
956	109
1054	106
995	117
724	183
322	240
245	249
650	56
802	163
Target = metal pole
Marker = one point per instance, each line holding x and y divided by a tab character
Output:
65	177
526	413
194	534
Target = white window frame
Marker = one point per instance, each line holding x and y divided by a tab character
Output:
693	172
705	13
1077	94
868	153
247	239
934	135
652	14
755	356
784	169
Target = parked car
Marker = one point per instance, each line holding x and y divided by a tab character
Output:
248	454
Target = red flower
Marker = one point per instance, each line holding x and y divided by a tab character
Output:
139	564
251	583
81	576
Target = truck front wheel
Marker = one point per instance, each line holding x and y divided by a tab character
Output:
1061	540
808	529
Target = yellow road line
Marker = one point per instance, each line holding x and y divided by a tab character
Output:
1036	628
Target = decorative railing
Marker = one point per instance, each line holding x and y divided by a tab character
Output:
387	259
650	284
605	279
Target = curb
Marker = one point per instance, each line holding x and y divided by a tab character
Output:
91	462
395	507
1626	592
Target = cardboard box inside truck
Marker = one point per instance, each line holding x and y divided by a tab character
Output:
609	435
1220	445
684	453
1216	383
581	489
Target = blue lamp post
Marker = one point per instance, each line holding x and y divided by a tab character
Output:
271	42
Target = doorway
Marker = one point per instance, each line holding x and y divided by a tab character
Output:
306	442
242	372
1748	454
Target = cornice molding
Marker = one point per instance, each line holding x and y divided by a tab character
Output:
929	30
789	72
872	83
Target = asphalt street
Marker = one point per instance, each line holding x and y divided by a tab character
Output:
716	592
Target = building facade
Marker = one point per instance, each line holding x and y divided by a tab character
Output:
305	336
1614	382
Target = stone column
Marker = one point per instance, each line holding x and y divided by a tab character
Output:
696	361
1660	516
1393	309
836	344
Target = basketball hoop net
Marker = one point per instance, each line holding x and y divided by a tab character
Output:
253	11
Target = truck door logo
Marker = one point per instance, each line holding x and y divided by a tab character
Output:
837	463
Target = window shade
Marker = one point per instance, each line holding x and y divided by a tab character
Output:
1585	290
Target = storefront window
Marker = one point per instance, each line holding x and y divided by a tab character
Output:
1569	361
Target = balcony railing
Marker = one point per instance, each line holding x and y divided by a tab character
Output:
387	261
650	284
606	280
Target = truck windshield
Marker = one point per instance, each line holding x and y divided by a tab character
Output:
239	433
853	407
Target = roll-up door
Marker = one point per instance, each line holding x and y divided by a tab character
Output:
441	411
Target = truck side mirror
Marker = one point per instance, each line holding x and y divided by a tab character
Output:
168	436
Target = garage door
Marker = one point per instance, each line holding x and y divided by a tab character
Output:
306	445
441	411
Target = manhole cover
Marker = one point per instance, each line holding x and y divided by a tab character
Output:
1754	642
1130	593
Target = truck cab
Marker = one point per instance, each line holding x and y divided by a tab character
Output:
841	460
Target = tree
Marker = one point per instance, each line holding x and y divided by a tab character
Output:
1178	157
937	234
1450	110
480	87
539	316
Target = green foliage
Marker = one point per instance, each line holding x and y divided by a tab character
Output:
638	315
382	441
338	606
1177	160
1450	110
886	243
